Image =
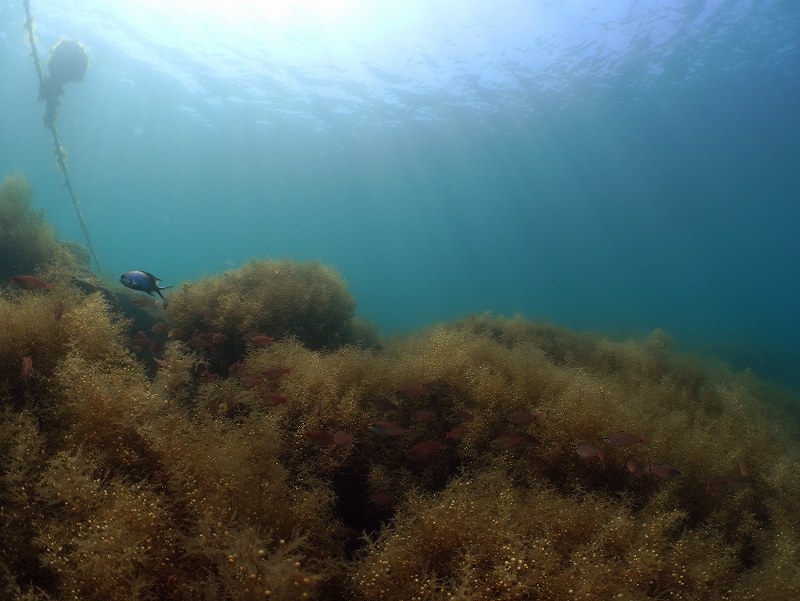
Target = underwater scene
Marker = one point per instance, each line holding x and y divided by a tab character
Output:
348	300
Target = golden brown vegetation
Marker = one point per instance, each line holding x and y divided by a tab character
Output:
118	485
27	242
25	239
280	297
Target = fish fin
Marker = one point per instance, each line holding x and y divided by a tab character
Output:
159	289
150	293
151	276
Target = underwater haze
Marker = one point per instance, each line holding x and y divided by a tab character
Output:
607	165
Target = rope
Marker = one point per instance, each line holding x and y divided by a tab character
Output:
61	154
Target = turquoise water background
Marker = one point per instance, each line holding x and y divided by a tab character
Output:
606	165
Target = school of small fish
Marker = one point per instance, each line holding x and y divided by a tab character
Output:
406	422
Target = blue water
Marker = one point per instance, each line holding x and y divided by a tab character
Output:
606	165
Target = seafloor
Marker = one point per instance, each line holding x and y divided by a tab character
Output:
251	439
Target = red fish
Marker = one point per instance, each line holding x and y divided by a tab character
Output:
30	282
207	376
250	381
521	418
623	439
384	428
144	302
459	417
59	310
634	466
511	439
410	392
717	484
159	327
736	480
438	387
425	449
588	451
27	368
424	416
320	438
455	434
663	471
383	499
199	342
273	399
383	404
218	338
261	340
342	438
235	368
275	372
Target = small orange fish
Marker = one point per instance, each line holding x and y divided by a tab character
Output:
261	340
59	310
521	418
27	368
460	417
383	404
30	282
588	451
250	381
385	428
320	438
511	439
218	338
717	484
663	471
424	416
410	392
623	439
159	327
273	399
634	466
342	438
144	302
383	499
275	372
734	480
199	342
141	337
425	449
155	347
456	433
235	368
438	387
207	376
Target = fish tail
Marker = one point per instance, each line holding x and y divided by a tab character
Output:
159	289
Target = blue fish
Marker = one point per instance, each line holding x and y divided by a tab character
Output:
143	281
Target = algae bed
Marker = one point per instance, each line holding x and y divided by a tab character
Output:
253	440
